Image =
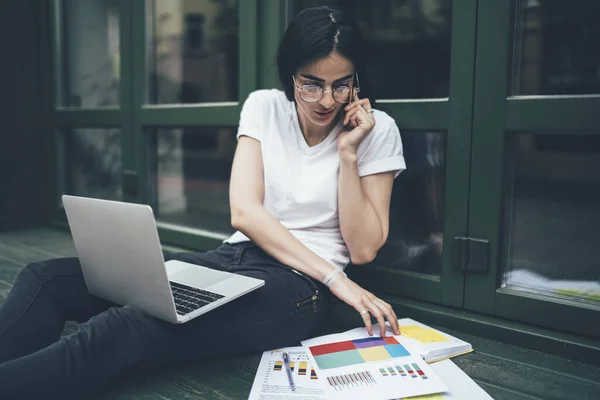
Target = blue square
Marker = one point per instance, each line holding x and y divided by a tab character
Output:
396	350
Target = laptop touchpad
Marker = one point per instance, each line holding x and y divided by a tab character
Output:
194	275
174	266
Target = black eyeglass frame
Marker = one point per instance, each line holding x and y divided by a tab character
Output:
354	90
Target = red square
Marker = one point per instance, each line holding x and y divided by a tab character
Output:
390	340
331	348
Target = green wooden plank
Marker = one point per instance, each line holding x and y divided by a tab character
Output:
430	114
556	313
458	158
127	73
532	358
59	166
248	46
192	239
271	25
56	154
216	114
487	151
547	114
54	18
139	81
100	117
47	73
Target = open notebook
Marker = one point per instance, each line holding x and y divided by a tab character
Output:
431	344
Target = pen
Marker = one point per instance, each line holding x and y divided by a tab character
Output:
286	362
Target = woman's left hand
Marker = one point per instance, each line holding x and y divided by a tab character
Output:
359	118
366	304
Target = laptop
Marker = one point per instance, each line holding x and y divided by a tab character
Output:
122	261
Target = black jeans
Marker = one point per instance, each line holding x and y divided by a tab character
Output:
113	341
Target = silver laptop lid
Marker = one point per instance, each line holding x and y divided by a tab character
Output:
120	253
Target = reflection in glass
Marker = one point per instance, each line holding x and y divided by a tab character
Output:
554	215
90	58
408	44
190	171
93	163
556	47
192	51
417	207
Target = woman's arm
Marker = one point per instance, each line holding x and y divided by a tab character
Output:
249	216
364	205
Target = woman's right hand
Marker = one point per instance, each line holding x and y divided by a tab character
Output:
365	303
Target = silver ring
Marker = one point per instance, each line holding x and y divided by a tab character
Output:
370	110
363	312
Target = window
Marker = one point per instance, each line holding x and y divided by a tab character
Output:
192	51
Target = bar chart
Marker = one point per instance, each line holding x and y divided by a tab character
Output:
299	368
407	371
344	382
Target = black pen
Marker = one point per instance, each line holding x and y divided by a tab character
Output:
288	369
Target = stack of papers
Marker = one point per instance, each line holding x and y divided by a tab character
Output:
271	381
354	365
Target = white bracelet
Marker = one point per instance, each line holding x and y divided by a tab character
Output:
330	278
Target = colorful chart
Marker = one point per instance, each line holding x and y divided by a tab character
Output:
300	371
352	380
413	370
400	370
302	368
313	374
359	351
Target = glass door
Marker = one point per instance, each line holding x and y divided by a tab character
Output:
147	98
535	182
91	100
195	63
421	55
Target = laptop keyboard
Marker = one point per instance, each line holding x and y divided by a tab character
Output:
188	299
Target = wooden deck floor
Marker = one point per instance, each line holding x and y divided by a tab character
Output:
504	371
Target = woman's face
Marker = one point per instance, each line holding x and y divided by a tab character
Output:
328	73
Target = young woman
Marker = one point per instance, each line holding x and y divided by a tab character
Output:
310	191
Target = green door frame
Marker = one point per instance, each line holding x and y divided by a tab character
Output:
497	113
453	116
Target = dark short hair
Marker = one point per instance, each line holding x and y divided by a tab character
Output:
312	35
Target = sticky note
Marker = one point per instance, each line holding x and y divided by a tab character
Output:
423	335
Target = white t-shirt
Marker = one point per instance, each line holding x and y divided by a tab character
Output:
301	182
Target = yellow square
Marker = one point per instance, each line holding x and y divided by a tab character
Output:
423	335
376	353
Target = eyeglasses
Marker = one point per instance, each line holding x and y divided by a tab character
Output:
342	94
